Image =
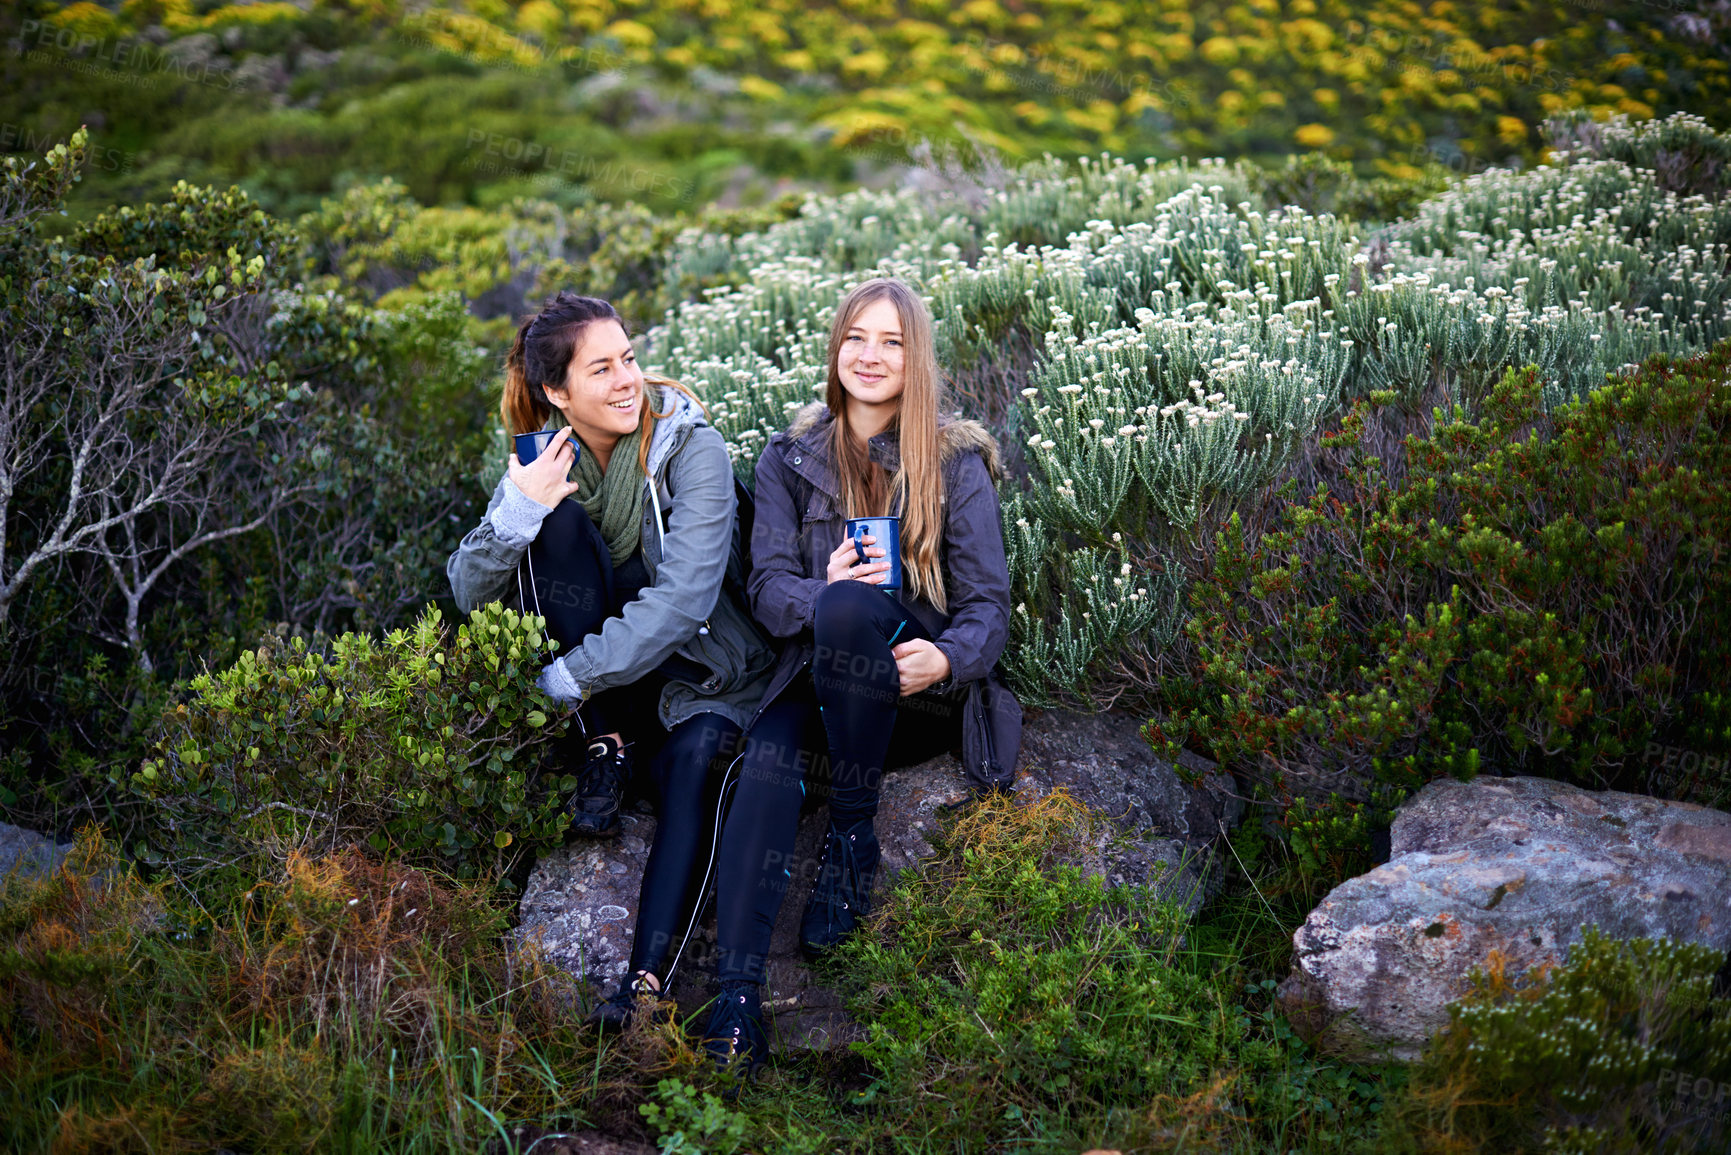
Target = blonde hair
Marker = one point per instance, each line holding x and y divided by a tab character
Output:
541	355
917	488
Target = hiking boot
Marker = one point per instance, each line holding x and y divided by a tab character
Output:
843	891
616	1012
594	807
735	1030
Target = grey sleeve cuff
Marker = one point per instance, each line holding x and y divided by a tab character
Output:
517	518
557	683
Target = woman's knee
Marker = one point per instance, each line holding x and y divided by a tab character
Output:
846	604
851	627
695	752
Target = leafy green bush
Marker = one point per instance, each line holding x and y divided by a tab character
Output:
1622	1049
204	447
1010	998
420	745
689	1125
1541	591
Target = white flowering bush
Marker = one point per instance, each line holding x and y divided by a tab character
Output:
1155	352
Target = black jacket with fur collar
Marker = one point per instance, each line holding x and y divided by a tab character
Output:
799	522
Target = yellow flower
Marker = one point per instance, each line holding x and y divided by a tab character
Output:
871	64
1220	50
758	88
1314	135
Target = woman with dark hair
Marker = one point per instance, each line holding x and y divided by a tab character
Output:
624	527
868	679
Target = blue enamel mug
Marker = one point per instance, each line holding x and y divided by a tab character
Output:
888	532
532	445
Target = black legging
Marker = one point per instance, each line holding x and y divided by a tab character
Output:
577	592
849	723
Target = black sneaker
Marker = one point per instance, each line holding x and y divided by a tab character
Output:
616	1012
843	892
735	1031
594	807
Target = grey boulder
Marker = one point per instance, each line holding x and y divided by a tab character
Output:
26	854
1518	866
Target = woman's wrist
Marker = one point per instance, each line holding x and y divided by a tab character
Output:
948	682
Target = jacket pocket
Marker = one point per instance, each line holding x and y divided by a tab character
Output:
731	650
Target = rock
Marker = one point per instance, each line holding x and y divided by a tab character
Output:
528	1136
195	52
259	73
580	902
28	854
1514	865
1171	830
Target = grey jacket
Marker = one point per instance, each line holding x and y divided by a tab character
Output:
693	558
799	522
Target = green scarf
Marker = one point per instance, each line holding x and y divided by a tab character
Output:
614	500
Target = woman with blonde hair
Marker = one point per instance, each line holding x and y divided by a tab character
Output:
621	533
868	679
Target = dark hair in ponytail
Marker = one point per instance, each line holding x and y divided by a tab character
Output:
541	355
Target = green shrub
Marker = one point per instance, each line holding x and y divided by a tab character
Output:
420	745
1317	183
262	454
1623	1049
1540	592
1154	353
689	1125
1009	998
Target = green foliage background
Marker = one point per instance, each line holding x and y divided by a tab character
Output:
671	104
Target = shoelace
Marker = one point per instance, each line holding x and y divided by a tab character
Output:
839	850
601	774
732	1020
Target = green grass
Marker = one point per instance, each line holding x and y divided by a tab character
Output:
315	1012
1012	1003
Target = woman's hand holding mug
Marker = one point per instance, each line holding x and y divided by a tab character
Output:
544	479
843	563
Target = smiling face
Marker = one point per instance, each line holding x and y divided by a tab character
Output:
603	394
870	364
